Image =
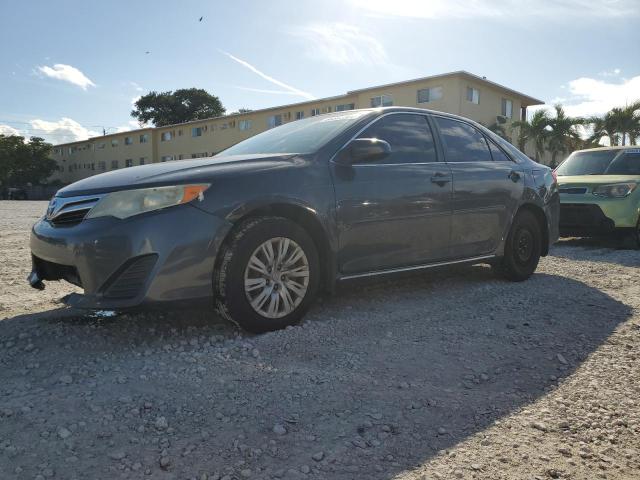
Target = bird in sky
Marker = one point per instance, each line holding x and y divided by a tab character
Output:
200	19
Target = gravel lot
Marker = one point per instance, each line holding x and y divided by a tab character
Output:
442	375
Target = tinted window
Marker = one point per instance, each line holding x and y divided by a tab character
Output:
497	153
409	136
462	142
302	136
626	164
587	163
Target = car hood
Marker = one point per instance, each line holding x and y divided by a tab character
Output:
596	179
177	172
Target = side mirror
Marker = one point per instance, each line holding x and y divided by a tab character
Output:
367	150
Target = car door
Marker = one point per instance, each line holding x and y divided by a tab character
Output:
487	188
394	212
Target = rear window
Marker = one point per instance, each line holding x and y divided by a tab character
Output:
587	163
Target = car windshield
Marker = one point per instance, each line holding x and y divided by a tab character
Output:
300	136
595	162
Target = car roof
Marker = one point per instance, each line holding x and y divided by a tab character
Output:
616	147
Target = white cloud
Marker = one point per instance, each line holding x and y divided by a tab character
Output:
9	130
279	83
590	96
341	44
471	9
67	73
63	131
137	87
131	125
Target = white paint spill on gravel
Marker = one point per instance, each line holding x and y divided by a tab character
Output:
446	374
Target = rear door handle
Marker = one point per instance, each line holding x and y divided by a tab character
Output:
440	178
514	176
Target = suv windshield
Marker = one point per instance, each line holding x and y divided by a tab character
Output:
587	163
300	136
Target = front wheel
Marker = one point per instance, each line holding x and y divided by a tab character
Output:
522	249
268	275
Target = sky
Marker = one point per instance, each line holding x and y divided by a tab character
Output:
73	68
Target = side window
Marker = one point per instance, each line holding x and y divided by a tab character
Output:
409	136
497	153
462	142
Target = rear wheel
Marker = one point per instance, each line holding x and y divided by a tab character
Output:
522	249
268	275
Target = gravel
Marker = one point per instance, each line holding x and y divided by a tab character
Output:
445	374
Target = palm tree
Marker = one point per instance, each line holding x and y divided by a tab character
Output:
629	122
604	126
535	131
563	136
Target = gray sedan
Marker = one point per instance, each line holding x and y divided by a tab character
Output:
258	229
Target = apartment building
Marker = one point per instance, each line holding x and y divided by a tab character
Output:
460	92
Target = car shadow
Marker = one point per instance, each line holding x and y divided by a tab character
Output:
380	378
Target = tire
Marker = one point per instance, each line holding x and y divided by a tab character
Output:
522	249
632	240
269	282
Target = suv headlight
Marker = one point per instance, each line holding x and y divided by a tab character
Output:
127	203
615	190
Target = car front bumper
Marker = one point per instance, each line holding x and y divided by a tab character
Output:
593	216
167	255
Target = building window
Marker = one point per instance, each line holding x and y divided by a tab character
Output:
196	132
244	125
101	145
326	109
144	138
142	161
224	126
93	166
473	95
114	164
128	141
427	95
382	101
180	132
166	158
165	136
114	142
315	111
274	121
345	106
299	115
128	162
102	166
507	108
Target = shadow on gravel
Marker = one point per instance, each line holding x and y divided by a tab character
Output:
378	380
604	250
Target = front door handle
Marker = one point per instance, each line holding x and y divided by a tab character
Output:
514	176
440	178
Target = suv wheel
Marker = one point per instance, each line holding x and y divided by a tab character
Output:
522	248
268	275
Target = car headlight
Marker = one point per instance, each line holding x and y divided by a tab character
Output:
127	203
615	190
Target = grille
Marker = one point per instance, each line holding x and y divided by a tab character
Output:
573	190
130	278
70	218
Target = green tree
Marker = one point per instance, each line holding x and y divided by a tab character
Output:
627	121
24	162
563	135
535	131
184	105
603	127
499	127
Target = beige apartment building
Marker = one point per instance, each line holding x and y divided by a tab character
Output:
461	93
